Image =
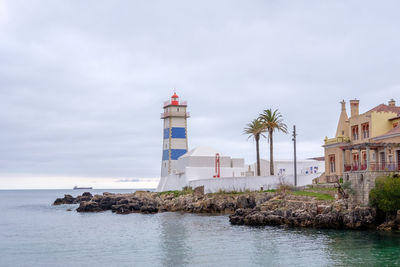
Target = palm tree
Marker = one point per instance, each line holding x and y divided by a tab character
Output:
272	120
255	129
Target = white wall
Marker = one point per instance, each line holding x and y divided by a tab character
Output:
236	183
199	173
252	183
287	167
171	182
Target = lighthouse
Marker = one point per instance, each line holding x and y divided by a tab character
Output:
175	142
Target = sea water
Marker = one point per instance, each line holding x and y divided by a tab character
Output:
35	233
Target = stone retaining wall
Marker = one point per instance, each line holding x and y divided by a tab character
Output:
362	183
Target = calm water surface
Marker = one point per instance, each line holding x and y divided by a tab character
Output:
34	233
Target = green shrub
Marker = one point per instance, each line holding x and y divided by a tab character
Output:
386	194
270	190
185	191
347	186
317	196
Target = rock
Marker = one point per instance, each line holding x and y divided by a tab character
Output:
398	217
245	201
121	209
58	201
301	212
258	208
148	209
322	209
107	202
87	194
89	206
199	191
85	197
67	199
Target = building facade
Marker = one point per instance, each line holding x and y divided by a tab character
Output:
286	167
365	145
175	142
204	166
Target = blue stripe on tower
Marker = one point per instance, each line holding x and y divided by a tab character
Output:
165	155
177	132
175	153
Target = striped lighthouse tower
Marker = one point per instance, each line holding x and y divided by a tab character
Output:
175	134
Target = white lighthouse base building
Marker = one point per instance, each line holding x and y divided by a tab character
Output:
203	166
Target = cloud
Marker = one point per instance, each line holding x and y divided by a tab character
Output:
82	83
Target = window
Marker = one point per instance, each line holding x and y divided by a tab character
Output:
395	124
332	165
365	130
364	156
356	158
354	132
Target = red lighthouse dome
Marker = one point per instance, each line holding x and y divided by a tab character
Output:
175	99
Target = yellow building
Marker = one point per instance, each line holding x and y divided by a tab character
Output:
367	142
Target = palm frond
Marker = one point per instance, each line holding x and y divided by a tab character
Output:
254	129
273	120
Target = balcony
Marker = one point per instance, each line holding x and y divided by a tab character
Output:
175	114
373	167
169	102
336	140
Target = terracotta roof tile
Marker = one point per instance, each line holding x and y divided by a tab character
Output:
386	108
393	131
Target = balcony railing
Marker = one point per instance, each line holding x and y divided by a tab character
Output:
373	167
335	140
169	102
175	114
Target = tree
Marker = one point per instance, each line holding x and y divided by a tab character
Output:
272	120
255	130
386	194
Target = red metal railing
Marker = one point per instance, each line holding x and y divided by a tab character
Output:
381	166
169	102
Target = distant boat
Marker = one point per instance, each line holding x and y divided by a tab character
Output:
81	187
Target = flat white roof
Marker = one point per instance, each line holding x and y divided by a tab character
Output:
200	151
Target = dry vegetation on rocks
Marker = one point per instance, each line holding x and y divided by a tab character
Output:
293	208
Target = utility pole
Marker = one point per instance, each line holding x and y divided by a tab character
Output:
295	160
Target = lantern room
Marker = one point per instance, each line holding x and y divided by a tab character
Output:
174	99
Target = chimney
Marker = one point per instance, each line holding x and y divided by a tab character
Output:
354	107
392	103
343	105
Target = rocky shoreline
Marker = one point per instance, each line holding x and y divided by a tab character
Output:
255	208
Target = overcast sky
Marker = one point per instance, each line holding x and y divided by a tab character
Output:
82	83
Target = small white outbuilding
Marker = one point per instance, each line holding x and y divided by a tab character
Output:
203	166
201	163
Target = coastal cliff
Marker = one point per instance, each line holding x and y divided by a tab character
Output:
252	208
150	202
297	211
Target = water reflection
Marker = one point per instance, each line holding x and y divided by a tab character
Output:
173	237
312	247
364	247
34	233
286	247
